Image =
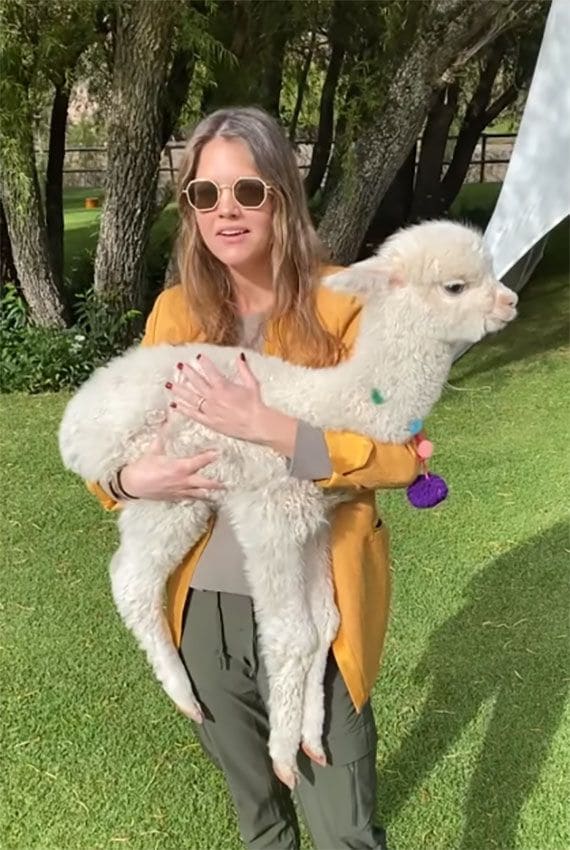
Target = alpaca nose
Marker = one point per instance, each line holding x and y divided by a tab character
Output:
508	298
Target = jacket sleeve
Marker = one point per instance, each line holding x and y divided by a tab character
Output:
360	462
364	464
149	338
311	459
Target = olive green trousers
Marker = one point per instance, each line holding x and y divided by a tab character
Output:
220	650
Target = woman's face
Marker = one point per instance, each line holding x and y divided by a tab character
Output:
223	160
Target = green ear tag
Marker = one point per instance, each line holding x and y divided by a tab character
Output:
376	396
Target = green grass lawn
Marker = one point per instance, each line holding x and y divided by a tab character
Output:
471	704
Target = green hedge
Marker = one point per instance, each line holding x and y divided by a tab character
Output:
35	359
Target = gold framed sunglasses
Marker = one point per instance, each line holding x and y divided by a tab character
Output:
249	192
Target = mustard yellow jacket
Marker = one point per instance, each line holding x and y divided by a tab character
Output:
360	552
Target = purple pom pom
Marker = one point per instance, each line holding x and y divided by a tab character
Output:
427	491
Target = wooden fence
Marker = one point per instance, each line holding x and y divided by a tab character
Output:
86	165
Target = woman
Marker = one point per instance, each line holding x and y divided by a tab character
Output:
249	264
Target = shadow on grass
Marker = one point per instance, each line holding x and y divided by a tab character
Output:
508	644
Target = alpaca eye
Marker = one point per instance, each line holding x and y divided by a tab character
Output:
455	288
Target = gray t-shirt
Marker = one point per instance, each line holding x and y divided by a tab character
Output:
220	566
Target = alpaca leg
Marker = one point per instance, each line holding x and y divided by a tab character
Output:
272	532
140	604
287	640
138	577
286	675
326	617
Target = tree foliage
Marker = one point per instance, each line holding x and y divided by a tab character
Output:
361	78
389	103
473	98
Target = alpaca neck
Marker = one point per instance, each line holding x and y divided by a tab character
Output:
394	335
396	354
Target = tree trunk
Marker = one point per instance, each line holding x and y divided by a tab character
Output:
20	193
231	25
8	273
465	146
272	72
54	181
256	33
394	209
322	148
340	140
142	52
449	27
426	202
478	115
179	79
301	87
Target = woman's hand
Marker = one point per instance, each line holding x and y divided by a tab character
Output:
233	409
156	476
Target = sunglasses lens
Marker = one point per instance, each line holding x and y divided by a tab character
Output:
250	192
203	194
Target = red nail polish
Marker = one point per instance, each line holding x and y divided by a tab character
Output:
172	404
180	365
168	385
242	355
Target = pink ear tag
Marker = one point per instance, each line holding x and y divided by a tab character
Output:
427	490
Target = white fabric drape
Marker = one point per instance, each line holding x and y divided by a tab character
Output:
535	196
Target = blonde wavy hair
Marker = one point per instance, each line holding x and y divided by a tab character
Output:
296	251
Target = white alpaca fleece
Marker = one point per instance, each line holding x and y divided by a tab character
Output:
429	287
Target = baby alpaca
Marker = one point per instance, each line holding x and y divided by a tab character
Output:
429	287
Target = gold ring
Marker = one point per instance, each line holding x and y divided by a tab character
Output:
200	403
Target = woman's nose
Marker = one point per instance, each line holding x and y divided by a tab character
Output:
227	204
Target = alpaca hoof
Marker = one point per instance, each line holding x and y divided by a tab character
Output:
316	754
182	695
287	775
193	712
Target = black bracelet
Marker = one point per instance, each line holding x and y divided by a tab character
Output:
120	485
113	491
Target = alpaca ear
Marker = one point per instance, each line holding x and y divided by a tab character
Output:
364	278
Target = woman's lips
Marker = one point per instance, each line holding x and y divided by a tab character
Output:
233	237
